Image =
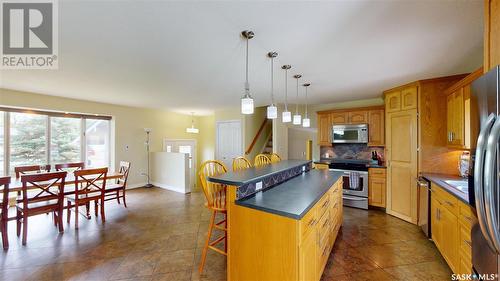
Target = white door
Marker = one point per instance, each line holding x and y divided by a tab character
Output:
184	146
229	143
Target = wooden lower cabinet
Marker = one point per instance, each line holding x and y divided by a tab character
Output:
266	246
376	187
308	257
451	223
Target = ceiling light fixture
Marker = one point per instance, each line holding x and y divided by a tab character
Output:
272	110
306	122
192	130
247	105
286	115
297	118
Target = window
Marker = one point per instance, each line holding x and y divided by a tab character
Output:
36	138
65	140
28	139
97	142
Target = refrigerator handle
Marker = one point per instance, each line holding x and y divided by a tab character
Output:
479	176
491	178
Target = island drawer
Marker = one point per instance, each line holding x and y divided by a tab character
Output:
308	222
324	204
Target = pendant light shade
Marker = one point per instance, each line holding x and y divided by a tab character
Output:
272	110
306	122
297	118
286	115
247	105
192	129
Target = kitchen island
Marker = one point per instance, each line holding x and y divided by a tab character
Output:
285	231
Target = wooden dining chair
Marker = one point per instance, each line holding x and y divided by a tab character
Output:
241	163
4	205
33	169
215	195
112	191
70	167
90	186
275	158
261	160
47	197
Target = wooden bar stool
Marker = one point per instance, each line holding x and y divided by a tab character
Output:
4	205
241	163
261	160
49	198
275	158
216	202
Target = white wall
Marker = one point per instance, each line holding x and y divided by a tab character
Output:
170	171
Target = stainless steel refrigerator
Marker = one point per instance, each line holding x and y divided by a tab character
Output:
484	183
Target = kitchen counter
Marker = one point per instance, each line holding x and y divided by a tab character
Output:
294	197
251	175
451	184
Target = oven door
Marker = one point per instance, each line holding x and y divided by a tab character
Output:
354	185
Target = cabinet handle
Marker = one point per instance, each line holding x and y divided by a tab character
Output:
449	203
312	222
468	218
326	203
469	243
326	222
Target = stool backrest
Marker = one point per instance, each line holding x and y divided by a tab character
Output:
261	160
275	158
215	193
241	163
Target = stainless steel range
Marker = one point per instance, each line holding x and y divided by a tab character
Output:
355	186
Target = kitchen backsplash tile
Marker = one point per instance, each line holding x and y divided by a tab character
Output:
350	151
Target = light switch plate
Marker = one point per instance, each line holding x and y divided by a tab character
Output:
258	186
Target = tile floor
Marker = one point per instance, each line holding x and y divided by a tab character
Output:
160	236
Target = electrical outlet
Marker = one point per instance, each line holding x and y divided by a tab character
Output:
258	186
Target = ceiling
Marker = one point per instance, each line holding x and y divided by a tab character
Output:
189	56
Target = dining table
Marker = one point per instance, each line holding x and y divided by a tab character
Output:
16	185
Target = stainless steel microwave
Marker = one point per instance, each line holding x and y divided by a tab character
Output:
350	133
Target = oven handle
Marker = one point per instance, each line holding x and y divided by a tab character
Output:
354	198
348	172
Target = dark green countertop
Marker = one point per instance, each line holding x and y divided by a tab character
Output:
294	197
253	174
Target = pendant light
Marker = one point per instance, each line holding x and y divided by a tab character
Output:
286	115
296	117
192	130
247	105
272	110
306	122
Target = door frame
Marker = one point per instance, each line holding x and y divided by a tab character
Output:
242	136
193	160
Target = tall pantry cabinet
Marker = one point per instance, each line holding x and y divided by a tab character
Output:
415	139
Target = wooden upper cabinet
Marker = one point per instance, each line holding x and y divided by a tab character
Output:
324	128
393	101
358	117
461	114
491	34
339	118
376	127
409	98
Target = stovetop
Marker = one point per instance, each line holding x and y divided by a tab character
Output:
347	164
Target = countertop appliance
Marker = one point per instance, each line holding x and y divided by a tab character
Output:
350	133
355	181
485	177
424	202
